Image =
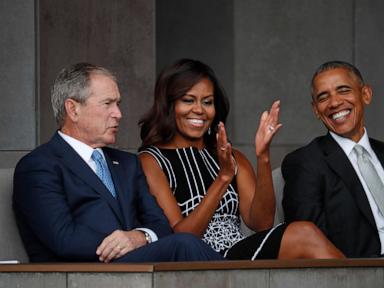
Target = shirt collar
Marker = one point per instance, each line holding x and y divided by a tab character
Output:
85	151
347	144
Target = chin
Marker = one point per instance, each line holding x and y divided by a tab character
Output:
196	137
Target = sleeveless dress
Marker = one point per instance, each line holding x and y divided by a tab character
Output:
190	172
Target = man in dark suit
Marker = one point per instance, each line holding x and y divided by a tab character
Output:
77	200
323	180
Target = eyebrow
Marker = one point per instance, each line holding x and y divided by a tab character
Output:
343	87
112	99
210	95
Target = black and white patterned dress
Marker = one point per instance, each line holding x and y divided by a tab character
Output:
190	172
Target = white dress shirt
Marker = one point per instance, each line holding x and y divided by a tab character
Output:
347	145
85	152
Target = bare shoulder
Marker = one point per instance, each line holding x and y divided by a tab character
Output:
148	162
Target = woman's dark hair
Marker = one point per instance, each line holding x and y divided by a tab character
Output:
158	125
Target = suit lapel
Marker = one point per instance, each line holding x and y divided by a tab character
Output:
120	176
378	147
77	165
340	164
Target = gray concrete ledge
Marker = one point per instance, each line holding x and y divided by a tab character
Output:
269	273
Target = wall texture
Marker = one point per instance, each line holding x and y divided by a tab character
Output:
261	50
278	45
115	34
41	37
17	81
199	29
368	50
275	47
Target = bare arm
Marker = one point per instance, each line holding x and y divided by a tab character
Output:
257	198
197	221
257	201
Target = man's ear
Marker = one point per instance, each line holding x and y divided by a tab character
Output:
72	109
366	94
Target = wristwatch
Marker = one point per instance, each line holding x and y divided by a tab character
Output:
147	237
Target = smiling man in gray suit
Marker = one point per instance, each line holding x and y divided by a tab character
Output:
329	181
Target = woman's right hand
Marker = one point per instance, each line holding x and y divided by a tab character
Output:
226	159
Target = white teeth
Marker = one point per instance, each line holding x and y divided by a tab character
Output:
196	121
340	114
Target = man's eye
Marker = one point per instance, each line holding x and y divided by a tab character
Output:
322	98
344	91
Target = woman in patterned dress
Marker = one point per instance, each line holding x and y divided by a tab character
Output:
204	185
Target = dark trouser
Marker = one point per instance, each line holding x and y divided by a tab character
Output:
175	247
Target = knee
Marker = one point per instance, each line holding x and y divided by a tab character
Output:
304	230
182	238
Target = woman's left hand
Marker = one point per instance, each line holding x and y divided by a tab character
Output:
268	126
227	162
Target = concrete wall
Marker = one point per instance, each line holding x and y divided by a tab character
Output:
351	277
198	29
276	47
261	50
368	56
17	81
115	34
279	44
40	37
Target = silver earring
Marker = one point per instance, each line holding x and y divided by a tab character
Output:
209	131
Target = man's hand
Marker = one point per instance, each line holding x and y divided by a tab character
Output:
119	243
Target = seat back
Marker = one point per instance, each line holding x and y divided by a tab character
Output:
11	246
278	184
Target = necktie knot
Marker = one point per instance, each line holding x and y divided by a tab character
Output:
96	156
361	152
359	149
102	171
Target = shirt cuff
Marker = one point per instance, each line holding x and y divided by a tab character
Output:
152	234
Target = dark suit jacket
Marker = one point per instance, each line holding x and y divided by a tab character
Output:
64	211
321	186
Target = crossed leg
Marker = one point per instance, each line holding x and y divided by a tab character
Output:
303	239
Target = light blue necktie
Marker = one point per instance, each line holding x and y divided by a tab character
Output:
103	172
372	179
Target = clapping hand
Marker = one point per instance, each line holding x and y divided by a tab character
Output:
227	162
268	126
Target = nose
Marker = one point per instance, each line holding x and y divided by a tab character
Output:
335	100
117	112
197	108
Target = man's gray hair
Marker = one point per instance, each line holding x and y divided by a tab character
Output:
73	83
